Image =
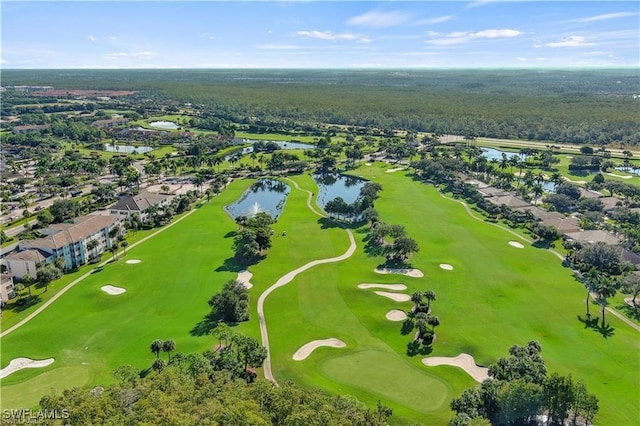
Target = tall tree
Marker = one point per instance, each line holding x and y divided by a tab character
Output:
156	347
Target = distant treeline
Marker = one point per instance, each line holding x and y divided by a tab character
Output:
596	106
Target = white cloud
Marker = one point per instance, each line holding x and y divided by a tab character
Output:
607	16
379	19
479	3
112	38
3	61
144	55
115	56
433	34
571	41
460	37
364	40
327	35
433	21
521	59
91	38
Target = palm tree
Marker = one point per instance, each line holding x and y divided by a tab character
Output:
430	295
416	298
433	322
156	346
158	365
606	288
168	346
590	283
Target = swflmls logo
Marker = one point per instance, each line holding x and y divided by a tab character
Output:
26	415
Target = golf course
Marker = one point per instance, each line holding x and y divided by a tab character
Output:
493	290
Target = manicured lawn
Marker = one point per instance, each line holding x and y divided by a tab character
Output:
496	296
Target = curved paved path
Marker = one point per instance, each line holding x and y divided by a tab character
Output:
76	281
286	279
558	255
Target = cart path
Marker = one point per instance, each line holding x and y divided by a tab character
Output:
76	281
287	278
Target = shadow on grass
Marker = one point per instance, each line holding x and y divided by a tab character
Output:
416	348
231	264
24	303
326	223
407	326
144	373
395	264
593	323
204	327
372	249
629	311
230	234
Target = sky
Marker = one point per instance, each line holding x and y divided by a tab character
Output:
322	34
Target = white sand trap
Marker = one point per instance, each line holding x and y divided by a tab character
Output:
397	169
396	315
112	290
568	156
20	363
384	286
305	350
398	297
416	273
464	361
367	164
244	277
133	261
629	301
516	244
446	266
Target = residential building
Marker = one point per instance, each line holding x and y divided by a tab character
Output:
75	243
6	288
25	262
30	128
111	122
139	204
593	236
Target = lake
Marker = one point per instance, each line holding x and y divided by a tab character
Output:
166	125
266	195
127	149
333	185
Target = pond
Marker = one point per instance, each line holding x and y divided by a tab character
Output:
127	149
491	153
283	145
266	195
167	125
629	169
331	186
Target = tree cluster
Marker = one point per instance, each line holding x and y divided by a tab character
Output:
231	304
520	391
420	318
254	237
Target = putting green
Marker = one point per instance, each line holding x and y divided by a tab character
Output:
387	375
27	394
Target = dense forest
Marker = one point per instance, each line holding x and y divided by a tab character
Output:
596	106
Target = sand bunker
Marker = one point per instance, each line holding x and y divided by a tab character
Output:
306	350
396	315
20	363
464	361
416	273
133	261
398	297
367	164
112	290
515	244
397	169
384	286
446	266
629	301
244	277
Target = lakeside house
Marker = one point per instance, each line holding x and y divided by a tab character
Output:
7	290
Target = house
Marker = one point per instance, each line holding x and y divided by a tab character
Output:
110	123
592	237
6	288
564	225
30	128
542	214
24	263
139	204
508	200
610	203
75	243
588	193
491	191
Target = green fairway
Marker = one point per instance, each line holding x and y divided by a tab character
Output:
496	295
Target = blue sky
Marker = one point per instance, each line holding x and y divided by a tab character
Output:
325	34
